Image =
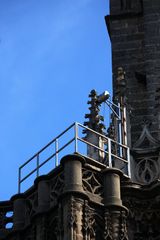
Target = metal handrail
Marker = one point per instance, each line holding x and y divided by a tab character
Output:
52	141
108	153
101	135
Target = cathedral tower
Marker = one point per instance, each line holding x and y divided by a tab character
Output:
134	29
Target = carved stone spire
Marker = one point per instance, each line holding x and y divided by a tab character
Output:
95	122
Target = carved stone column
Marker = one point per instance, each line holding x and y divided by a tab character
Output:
73	172
72	218
43	193
115	212
73	196
19	211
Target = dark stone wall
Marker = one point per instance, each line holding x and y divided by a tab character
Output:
134	31
151	18
119	6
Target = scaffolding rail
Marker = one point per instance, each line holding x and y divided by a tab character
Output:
115	154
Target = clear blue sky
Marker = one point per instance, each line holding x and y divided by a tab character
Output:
52	53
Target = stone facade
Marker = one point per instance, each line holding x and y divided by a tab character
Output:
83	199
72	202
134	28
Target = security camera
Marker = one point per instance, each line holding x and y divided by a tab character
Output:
103	97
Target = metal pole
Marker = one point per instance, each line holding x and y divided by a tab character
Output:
37	165
19	180
109	153
120	130
56	146
125	126
129	162
76	136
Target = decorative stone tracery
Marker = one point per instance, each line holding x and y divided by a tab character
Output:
144	217
92	182
115	225
147	170
146	154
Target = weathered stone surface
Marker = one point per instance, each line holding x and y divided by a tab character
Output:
134	28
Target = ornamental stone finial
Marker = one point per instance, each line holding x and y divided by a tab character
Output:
95	122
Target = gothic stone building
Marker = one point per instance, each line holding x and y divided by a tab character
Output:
83	197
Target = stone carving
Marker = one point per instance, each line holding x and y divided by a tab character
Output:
123	229
93	222
75	219
72	219
120	75
33	203
44	228
57	185
108	226
120	82
96	123
92	182
144	216
95	120
144	150
147	170
55	227
89	222
115	225
145	142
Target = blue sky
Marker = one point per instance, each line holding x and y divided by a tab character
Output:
52	54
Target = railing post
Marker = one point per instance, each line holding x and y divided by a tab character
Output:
109	153
129	162
76	136
56	147
37	165
19	180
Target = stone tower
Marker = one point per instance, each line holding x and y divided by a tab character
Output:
134	29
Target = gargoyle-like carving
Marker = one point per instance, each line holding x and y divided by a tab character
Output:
120	82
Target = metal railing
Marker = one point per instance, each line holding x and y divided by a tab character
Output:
115	154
